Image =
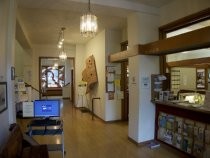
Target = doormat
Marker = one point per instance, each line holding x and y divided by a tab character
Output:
84	109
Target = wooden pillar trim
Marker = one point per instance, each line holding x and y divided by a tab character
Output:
185	21
124	55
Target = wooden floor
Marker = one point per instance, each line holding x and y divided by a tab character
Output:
87	138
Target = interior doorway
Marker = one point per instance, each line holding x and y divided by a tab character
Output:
56	77
125	89
124	84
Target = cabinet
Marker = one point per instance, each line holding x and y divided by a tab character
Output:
184	133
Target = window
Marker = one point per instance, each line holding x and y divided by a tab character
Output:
53	77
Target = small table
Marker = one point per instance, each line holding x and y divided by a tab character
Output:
48	127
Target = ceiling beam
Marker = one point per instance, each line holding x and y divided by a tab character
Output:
196	39
123	55
193	40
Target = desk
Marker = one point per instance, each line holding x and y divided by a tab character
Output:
48	127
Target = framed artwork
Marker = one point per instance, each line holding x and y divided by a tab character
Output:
200	78
3	96
12	73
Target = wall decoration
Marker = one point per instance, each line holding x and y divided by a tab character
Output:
3	96
200	78
12	73
89	74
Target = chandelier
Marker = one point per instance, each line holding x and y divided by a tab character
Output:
88	24
62	54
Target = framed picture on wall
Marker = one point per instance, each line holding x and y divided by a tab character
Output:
200	78
3	96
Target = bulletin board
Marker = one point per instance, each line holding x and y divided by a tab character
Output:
110	79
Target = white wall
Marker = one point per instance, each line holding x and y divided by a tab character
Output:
179	9
96	47
113	107
142	28
23	66
147	65
141	110
67	71
7	44
100	46
4	116
79	67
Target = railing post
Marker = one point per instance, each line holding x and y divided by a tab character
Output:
93	106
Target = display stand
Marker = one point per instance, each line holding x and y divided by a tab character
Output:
48	127
82	98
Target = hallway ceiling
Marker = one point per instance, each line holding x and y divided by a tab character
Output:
41	20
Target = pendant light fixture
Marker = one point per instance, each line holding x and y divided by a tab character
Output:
62	54
88	24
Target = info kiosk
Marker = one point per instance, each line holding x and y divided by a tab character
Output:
46	122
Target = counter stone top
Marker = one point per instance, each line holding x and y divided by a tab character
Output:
184	105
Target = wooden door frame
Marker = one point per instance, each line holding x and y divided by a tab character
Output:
39	76
125	100
178	24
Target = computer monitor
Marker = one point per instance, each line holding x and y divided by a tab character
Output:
46	108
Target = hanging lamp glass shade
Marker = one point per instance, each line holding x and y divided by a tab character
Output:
62	55
88	24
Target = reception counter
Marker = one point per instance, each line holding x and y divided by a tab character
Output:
184	126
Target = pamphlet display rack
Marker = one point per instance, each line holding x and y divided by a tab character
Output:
48	127
183	129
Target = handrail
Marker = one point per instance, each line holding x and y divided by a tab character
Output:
66	84
93	106
33	87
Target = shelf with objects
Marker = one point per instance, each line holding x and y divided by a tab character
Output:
22	97
47	122
160	86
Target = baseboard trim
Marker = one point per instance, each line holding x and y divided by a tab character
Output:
141	144
66	98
